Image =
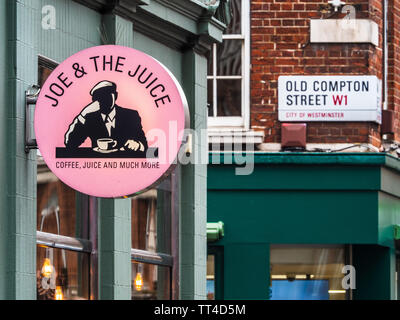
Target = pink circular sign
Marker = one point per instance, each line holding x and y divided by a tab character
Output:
109	121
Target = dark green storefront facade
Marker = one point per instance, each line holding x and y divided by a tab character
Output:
350	199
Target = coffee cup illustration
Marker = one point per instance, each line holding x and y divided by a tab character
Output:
106	144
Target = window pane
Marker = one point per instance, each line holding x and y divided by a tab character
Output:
59	208
229	94
210	62
211	277
150	282
307	272
43	74
61	274
234	26
229	58
151	219
397	274
210	104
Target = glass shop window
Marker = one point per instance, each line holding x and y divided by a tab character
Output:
64	239
215	273
307	272
62	274
151	281
397	270
155	242
210	277
63	245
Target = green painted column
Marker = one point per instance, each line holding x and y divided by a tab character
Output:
246	271
114	249
193	219
18	169
3	156
116	30
115	272
375	272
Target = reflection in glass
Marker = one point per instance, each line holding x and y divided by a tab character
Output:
307	272
57	209
397	273
229	95
234	26
211	277
229	58
61	274
151	223
210	104
150	282
144	221
43	74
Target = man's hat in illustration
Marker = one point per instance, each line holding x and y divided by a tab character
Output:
104	84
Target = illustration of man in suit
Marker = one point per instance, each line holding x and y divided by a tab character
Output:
104	119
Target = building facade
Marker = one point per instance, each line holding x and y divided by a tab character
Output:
317	217
57	243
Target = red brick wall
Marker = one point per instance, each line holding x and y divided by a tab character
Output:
280	46
394	63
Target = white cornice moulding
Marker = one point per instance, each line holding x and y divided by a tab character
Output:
235	136
344	31
332	147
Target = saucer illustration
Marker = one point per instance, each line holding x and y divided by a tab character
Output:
97	149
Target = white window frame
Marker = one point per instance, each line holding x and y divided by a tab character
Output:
242	122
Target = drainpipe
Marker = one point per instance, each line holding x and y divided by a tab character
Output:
385	54
387	125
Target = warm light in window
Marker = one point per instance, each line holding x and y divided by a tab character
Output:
138	281
279	276
59	293
336	291
47	268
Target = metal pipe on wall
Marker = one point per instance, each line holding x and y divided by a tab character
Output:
385	56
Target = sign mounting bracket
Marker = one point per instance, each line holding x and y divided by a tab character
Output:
31	96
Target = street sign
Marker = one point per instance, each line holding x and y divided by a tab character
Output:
329	98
